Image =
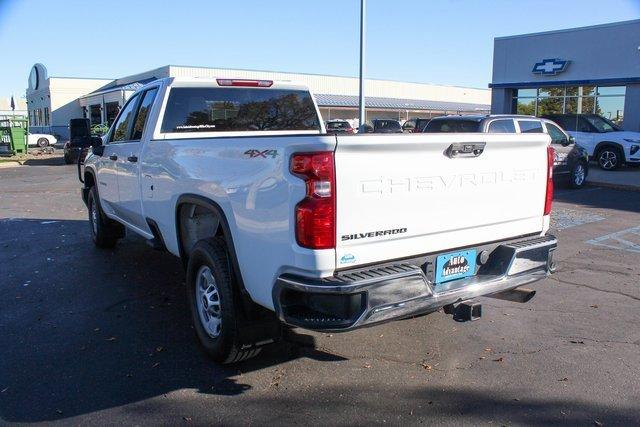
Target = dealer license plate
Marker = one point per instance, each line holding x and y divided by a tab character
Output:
455	265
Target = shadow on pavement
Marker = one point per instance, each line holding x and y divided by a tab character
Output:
45	161
84	330
603	198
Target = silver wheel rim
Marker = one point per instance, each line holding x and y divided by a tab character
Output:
578	175
608	159
208	302
94	218
43	142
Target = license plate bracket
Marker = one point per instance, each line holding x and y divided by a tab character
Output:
455	265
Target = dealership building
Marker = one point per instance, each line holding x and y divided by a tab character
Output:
52	101
582	70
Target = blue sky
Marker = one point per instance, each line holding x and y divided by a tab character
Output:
436	41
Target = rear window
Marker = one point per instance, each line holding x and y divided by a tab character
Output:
530	126
439	126
239	109
338	125
387	124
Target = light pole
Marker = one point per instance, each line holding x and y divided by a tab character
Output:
361	107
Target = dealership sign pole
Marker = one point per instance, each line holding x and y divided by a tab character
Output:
362	110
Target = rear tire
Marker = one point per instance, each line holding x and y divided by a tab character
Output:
215	308
43	142
68	159
609	158
105	232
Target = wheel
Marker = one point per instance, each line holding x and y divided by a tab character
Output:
609	158
215	310
68	159
105	232
578	175
43	142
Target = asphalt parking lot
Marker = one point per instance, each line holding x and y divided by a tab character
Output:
104	337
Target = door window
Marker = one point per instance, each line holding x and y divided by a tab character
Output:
502	126
123	123
530	126
557	136
143	113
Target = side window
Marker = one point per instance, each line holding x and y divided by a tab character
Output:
583	125
530	126
121	126
502	126
557	136
568	123
142	114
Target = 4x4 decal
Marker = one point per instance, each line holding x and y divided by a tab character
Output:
253	153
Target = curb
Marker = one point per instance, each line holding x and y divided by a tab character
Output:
10	164
626	187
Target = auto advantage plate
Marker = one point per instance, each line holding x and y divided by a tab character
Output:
455	265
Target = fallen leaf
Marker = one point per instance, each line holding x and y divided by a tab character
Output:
500	359
112	339
426	366
159	349
564	379
481	357
367	366
187	419
487	349
576	342
594	306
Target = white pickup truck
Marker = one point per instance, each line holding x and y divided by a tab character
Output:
278	222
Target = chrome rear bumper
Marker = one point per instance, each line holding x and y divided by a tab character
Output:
393	291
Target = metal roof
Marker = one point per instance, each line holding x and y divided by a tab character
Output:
133	86
326	100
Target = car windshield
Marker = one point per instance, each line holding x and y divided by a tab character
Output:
602	124
452	126
338	125
387	124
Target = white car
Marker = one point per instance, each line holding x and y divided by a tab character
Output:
41	140
605	142
278	222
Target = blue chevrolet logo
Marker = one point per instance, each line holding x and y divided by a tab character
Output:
550	66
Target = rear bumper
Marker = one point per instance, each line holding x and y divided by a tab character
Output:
393	291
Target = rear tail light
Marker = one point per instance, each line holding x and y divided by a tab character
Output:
244	83
551	155
316	213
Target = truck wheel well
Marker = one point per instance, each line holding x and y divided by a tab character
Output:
89	181
196	222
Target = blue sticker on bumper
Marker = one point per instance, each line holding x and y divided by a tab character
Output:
455	265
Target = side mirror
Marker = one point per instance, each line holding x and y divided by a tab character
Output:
79	133
572	140
565	142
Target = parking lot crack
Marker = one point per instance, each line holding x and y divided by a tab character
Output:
624	294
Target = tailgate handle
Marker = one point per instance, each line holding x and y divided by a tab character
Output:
465	149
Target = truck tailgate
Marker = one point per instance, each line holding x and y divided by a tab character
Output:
405	195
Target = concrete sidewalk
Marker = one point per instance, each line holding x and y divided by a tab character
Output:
624	178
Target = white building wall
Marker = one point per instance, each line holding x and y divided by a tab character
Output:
346	85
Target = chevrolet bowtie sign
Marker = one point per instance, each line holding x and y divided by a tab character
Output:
550	66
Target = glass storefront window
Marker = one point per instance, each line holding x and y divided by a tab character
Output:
526	106
612	90
611	107
607	101
551	91
527	93
550	105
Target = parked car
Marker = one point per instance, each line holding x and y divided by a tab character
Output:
277	222
382	126
571	163
414	125
339	126
606	143
41	140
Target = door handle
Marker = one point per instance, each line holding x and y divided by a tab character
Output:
132	159
113	157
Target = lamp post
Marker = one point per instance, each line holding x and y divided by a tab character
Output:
361	106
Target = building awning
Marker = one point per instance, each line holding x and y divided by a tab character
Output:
326	100
133	86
